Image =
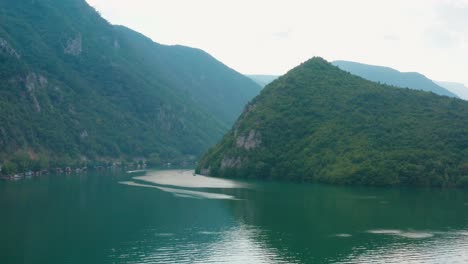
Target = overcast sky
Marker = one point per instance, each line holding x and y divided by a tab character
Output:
271	37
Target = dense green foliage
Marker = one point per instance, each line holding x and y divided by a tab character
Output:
73	86
412	80
320	123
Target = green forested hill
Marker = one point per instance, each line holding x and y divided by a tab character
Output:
73	86
320	123
386	75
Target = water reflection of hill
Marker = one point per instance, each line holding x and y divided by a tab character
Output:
323	223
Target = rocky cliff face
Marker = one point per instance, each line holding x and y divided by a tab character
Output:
7	49
250	140
74	46
33	83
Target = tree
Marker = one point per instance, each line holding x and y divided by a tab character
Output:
9	168
464	168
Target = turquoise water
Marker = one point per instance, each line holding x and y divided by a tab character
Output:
111	218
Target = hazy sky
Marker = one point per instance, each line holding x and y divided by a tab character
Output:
271	37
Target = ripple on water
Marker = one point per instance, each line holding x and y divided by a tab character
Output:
236	245
343	235
385	231
185	196
447	248
416	235
181	193
208	233
369	197
396	232
164	234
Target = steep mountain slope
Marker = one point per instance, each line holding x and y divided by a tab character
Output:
320	123
74	86
262	80
457	88
412	80
206	81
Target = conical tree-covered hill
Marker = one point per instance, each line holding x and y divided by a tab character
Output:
73	86
320	123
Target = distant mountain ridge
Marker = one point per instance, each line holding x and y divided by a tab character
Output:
261	79
457	88
74	87
386	75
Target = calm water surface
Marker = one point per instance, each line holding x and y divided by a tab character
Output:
112	218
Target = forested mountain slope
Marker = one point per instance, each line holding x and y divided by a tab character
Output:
73	86
320	123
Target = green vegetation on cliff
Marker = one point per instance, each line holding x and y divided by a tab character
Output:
74	87
319	123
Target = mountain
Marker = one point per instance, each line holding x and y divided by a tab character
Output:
74	87
319	123
262	80
412	80
457	88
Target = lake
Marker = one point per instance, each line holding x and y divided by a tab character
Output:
174	217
